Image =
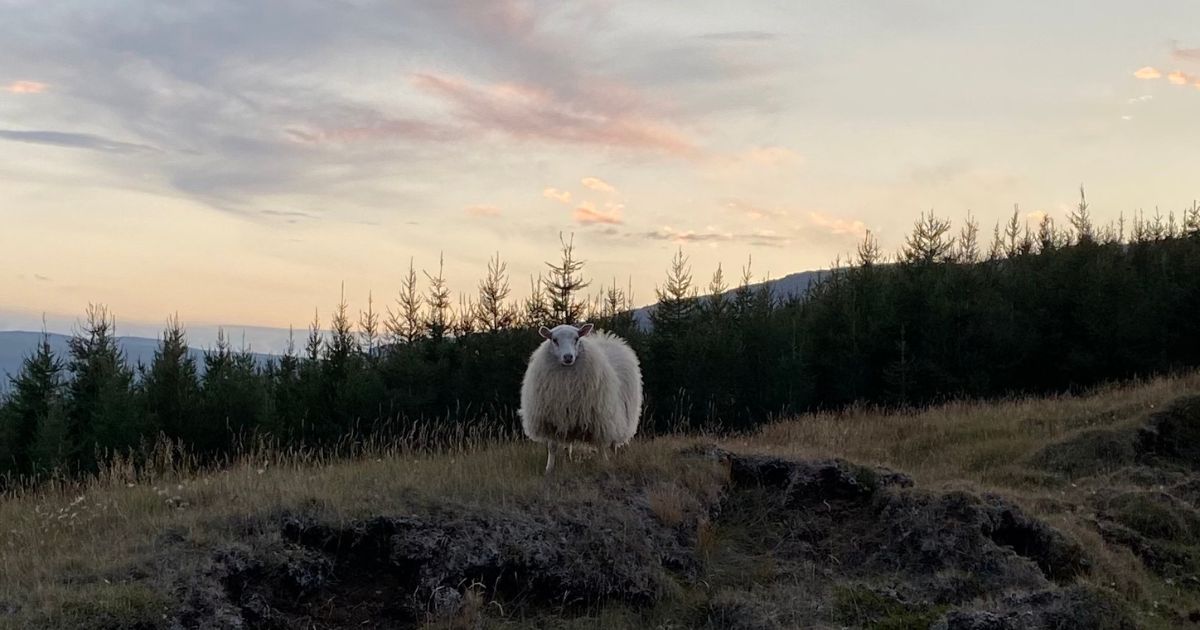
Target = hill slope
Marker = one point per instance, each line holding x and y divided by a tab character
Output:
1066	512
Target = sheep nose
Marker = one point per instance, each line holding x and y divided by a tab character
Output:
568	359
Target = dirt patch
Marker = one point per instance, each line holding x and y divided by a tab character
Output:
864	523
1077	608
863	546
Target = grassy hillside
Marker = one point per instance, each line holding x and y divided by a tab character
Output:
1041	512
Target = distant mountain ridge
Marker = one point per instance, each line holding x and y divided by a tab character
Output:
792	285
15	345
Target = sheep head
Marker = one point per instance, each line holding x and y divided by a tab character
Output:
564	341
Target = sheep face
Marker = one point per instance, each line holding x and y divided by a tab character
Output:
564	341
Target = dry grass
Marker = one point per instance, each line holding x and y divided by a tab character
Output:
66	546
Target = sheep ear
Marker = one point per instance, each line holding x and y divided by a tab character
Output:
585	330
544	332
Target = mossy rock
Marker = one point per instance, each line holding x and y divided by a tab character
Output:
1155	515
862	607
1173	434
1088	453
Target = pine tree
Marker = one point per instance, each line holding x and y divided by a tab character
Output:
314	346
34	403
868	250
437	301
536	309
996	251
564	284
968	241
368	326
743	296
100	412
1047	237
928	243
1191	220
494	313
676	299
465	318
342	340
234	399
171	386
406	323
717	305
1012	233
1081	221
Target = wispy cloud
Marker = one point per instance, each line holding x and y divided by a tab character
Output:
483	210
1184	54
528	112
836	226
26	87
1148	72
770	156
587	213
1140	99
561	196
755	160
740	36
74	140
753	211
712	235
401	129
292	216
40	278
597	184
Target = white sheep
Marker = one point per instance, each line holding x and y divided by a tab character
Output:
581	387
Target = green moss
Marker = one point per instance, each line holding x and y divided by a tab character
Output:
1156	515
124	606
1088	453
860	606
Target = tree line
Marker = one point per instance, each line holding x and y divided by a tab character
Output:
1038	308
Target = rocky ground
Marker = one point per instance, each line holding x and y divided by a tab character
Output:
738	541
809	544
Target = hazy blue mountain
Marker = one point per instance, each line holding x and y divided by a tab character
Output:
793	285
16	345
139	344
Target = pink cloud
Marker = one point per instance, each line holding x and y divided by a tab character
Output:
532	113
1185	54
561	196
597	184
26	87
587	213
1179	78
1148	73
483	211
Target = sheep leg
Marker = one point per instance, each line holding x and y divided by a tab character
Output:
551	447
604	452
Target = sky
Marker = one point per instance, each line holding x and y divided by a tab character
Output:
240	162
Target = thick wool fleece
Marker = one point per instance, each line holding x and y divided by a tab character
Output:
596	401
